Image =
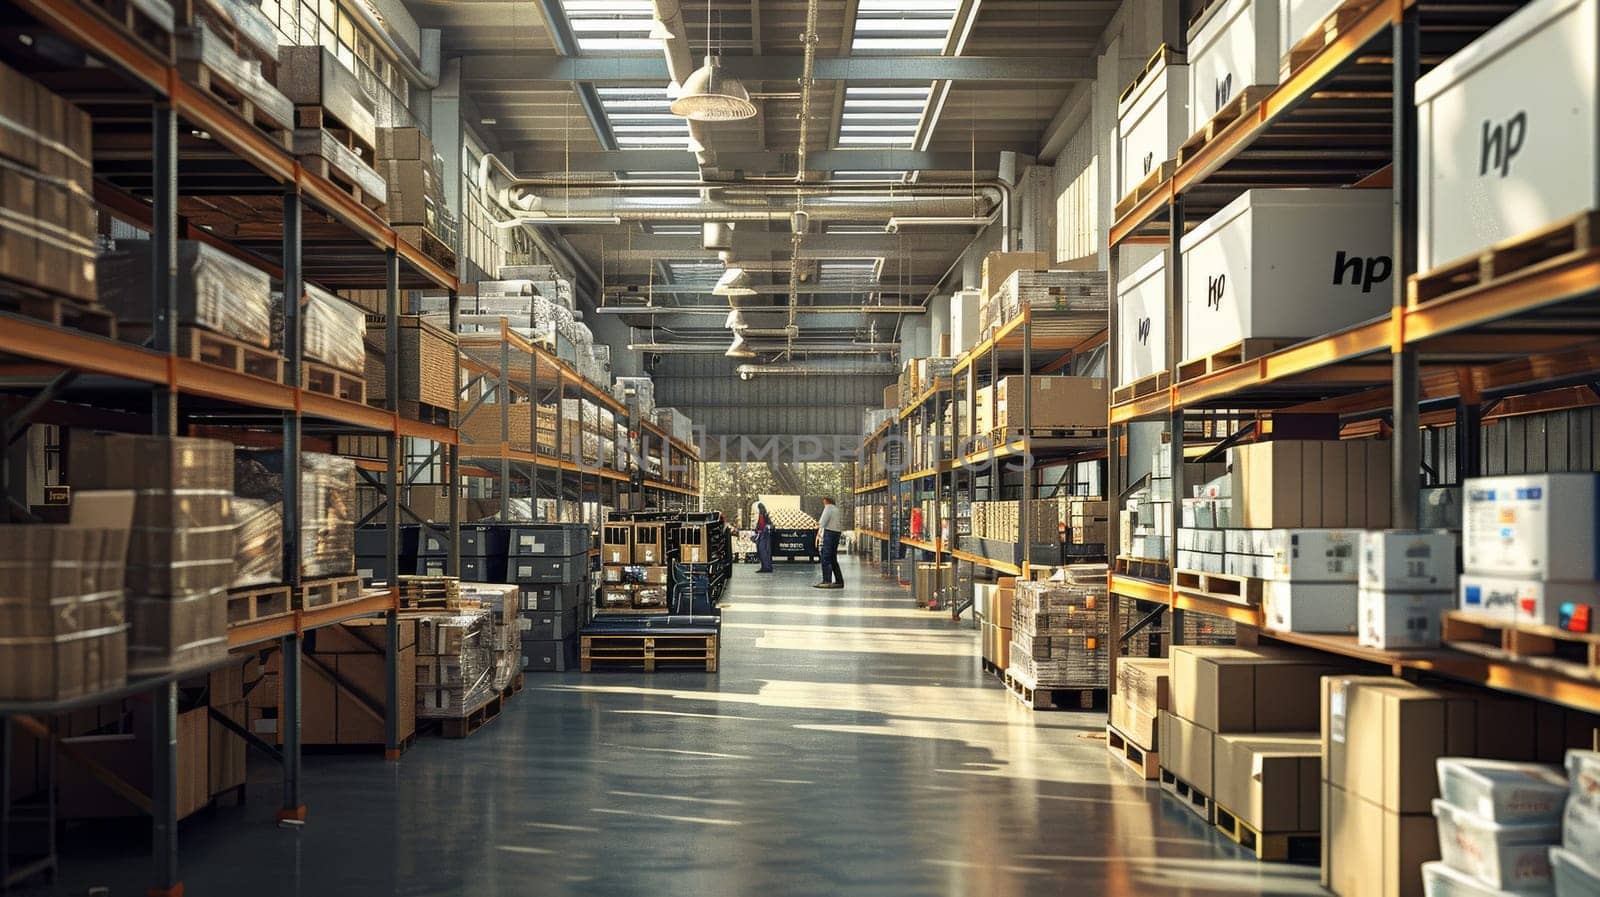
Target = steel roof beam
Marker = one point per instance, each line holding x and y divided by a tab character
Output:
483	71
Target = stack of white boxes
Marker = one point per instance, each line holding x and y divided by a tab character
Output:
1311	585
1497	823
1529	549
1576	863
1408	579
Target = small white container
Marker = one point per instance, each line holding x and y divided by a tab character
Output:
1503	857
1312	607
1234	45
1298	18
1580	825
1503	791
1498	160
1142	321
1409	560
1536	526
1286	263
1583	771
1393	621
1575	875
1439	880
1152	120
1315	555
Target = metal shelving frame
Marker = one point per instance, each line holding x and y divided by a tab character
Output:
1521	341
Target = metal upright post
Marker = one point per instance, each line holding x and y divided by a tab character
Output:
1025	506
561	443
391	651
164	422
1175	419
1407	440
533	436
505	427
293	809
453	488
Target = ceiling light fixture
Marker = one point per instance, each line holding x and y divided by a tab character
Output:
659	30
710	95
736	349
733	282
735	320
896	223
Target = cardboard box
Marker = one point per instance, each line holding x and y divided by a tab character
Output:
1152	120
1271	782
1538	527
1409	560
649	544
1233	45
616	545
1069	402
1316	555
1142	319
1369	851
1140	698
1381	736
127	756
1246	689
1392	621
1313	607
1186	751
1307	483
997	266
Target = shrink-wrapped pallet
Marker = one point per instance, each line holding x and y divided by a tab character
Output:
334	330
259	532
216	291
327	505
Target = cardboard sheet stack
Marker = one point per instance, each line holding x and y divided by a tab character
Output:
1408	579
1046	291
456	663
1060	631
1529	550
216	291
62	603
327	505
182	548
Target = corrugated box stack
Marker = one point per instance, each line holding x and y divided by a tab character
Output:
995	604
1529	550
1382	739
1060	632
202	54
633	571
430	366
1085	292
1408	579
333	331
216	292
1231	706
503	601
1144	523
1311	582
183	544
1086	520
62	601
999	521
414	174
344	684
1057	403
327	95
47	237
327	504
1142	694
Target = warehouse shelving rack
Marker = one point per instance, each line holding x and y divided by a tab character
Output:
159	141
1515	344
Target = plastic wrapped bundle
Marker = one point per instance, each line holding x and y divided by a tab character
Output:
1060	634
215	291
259	528
642	389
327	505
455	663
335	331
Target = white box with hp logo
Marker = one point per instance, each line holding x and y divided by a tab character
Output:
1142	321
1286	263
1152	119
1233	44
1508	132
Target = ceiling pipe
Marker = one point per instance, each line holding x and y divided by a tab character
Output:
807	77
858	369
680	65
719	347
722	310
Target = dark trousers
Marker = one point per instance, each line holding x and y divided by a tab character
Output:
764	550
830	557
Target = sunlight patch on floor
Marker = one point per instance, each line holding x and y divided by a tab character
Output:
697	820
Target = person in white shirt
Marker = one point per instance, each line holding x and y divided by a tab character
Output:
829	527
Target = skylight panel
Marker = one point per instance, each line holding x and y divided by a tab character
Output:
674	228
611	25
848	272
640	117
695	273
882	116
903	26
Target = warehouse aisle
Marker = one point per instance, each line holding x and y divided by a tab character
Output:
848	747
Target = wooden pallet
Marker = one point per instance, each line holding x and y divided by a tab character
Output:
1039	697
327	591
1163	53
1140	759
426	240
650	651
1232	111
240	101
474	719
1571	240
1198	802
999	436
1236	354
1141	568
1574	654
1245	591
59	311
517	683
1270	847
1160	381
430	592
1335	24
132	19
330	381
216	350
320	119
1159	174
257	603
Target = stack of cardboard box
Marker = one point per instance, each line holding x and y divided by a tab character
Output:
343	682
1141	697
994	603
415	176
47	236
456	662
1529	550
1056	403
1085	292
182	551
1311	583
633	566
216	291
1060	633
1575	865
1408	579
1087	520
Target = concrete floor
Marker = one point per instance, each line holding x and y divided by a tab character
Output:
849	746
